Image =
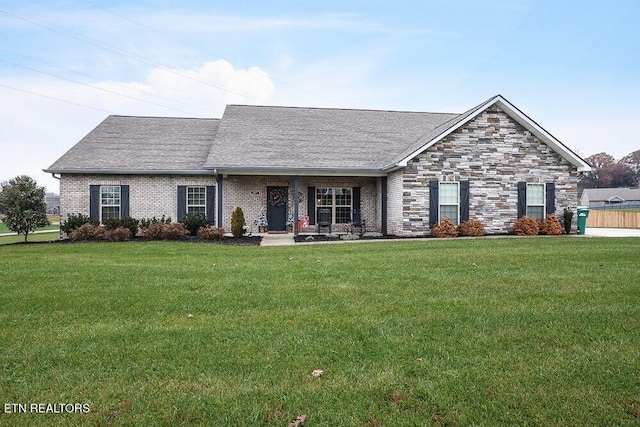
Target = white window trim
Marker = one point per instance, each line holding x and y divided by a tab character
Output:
333	206
119	205
196	206
544	198
440	204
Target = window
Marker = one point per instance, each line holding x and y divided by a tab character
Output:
449	201
197	200
535	201
109	202
339	200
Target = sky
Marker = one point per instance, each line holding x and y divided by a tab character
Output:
572	66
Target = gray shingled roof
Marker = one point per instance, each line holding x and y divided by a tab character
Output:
607	194
125	144
324	139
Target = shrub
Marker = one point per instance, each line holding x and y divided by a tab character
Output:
145	223
74	221
174	231
211	233
126	222
193	222
87	232
120	234
526	226
237	222
164	231
551	226
444	229
567	217
473	227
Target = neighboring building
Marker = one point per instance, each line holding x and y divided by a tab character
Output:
402	171
53	203
614	197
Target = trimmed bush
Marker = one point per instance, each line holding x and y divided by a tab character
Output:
551	226
87	232
211	233
120	234
193	222
444	229
526	226
237	222
174	231
74	221
126	222
163	231
473	227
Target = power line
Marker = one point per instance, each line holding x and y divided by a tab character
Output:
251	70
58	30
146	93
54	98
94	87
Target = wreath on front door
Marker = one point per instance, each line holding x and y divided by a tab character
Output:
277	198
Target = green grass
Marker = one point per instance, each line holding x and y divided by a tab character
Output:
532	331
33	237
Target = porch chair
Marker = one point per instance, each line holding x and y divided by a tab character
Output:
324	219
357	224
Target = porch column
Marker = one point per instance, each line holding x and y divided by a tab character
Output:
383	215
296	202
219	218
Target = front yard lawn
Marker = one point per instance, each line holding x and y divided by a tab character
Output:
531	331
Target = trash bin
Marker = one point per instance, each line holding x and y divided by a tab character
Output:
583	214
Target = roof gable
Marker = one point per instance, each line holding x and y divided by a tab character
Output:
509	109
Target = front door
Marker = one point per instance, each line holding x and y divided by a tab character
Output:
277	198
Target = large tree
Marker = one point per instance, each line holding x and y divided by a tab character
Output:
632	160
598	177
25	208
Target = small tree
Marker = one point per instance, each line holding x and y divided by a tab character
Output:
237	222
25	208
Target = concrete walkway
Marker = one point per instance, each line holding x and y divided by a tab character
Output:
612	232
271	239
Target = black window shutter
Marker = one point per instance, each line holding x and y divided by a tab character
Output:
551	198
94	202
124	201
311	204
182	201
464	201
522	199
356	199
433	203
210	194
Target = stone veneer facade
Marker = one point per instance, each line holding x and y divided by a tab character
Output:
494	153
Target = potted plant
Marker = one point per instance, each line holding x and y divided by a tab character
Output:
567	216
262	221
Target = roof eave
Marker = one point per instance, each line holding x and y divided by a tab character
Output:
130	171
239	170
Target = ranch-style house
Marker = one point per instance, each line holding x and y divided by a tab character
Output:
400	172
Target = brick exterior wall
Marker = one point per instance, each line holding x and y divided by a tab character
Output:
493	152
149	195
250	193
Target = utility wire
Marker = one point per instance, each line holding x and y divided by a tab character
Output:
251	70
94	87
58	30
99	80
55	99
